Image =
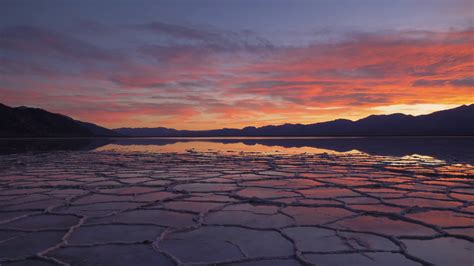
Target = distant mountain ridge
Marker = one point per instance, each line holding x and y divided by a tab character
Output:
452	122
34	122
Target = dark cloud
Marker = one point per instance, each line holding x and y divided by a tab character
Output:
20	67
429	83
377	70
464	82
201	40
281	83
32	40
355	98
179	31
185	54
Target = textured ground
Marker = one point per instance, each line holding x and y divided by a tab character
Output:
105	208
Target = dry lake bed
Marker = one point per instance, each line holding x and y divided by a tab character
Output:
201	202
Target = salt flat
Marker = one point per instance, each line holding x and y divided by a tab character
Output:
246	208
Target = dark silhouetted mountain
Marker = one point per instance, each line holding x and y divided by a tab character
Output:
98	131
452	122
138	132
33	122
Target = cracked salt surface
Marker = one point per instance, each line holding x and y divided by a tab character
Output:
199	208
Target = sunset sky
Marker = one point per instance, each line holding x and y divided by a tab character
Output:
225	63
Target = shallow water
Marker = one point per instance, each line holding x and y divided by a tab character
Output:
451	149
351	201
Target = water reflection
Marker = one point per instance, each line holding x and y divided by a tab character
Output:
213	146
453	149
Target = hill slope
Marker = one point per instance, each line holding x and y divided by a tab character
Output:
34	122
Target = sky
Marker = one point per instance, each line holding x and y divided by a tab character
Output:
225	63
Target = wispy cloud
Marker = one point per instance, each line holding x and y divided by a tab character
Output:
189	76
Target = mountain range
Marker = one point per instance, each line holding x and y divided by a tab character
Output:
33	122
452	122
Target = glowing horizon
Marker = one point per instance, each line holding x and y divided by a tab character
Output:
175	65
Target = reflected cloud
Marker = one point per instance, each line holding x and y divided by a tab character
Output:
215	146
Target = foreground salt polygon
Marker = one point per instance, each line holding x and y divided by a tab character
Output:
109	208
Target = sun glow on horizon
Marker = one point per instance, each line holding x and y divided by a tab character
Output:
413	109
